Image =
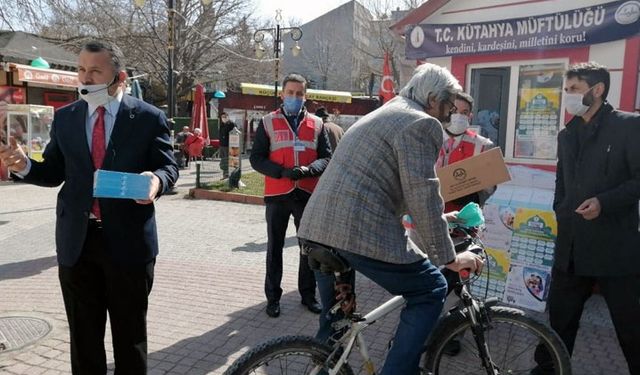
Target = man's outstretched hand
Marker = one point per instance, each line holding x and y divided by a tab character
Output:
13	156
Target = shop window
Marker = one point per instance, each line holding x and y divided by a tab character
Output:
490	88
58	99
538	113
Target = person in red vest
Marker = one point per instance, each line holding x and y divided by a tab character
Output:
291	149
461	143
195	144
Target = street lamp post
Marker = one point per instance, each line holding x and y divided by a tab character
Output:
258	37
171	89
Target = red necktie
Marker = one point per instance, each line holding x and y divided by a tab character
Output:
98	150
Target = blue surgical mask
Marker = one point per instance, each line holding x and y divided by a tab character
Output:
292	105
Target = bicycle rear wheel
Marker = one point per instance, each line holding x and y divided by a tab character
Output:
284	356
511	338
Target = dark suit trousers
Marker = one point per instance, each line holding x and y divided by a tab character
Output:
568	295
277	214
94	286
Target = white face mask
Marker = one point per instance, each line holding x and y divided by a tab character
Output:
573	103
96	95
459	124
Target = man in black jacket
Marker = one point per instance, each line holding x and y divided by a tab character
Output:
106	248
291	148
226	126
596	206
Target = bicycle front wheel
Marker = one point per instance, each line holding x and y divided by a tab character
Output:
286	355
511	338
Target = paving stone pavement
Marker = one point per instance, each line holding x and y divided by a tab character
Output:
207	304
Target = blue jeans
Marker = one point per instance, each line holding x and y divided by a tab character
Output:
424	288
326	282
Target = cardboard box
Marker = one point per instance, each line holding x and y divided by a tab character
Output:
473	174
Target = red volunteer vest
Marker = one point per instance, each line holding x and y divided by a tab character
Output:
289	150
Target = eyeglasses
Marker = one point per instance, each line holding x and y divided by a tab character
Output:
453	108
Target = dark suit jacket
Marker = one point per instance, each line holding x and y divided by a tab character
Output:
607	167
139	142
335	133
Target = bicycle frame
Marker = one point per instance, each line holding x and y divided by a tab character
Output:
474	313
354	336
467	301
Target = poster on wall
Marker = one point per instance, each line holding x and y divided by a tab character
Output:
528	286
519	234
12	95
493	280
538	113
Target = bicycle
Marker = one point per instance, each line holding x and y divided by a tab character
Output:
495	340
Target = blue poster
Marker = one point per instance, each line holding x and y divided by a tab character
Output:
582	26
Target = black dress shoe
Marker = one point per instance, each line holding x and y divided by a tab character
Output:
273	309
312	305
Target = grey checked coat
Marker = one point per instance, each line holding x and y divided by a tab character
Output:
383	169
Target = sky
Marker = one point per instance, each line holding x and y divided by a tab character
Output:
303	10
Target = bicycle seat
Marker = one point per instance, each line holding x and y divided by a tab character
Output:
323	258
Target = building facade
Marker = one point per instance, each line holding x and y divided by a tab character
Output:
336	49
510	56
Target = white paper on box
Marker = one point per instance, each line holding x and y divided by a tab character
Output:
542	199
502	195
497	233
521	196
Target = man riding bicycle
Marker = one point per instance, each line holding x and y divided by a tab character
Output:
384	168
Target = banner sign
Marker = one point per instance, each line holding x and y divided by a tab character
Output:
583	26
322	95
47	76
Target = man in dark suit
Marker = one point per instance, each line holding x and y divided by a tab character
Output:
596	206
106	247
334	131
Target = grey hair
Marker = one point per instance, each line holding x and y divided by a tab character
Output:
117	57
430	80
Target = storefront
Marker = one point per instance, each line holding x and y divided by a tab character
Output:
511	55
24	84
36	71
247	107
513	67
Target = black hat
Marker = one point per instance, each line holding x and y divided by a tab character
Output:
322	112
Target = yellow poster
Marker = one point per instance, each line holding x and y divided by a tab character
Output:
535	223
539	99
493	279
499	262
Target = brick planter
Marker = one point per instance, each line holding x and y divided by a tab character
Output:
224	196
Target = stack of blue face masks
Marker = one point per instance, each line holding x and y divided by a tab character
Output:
111	184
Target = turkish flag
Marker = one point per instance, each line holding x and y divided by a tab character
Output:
386	85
